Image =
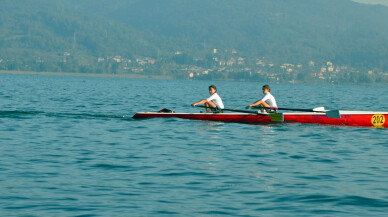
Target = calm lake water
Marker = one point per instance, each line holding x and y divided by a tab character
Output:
69	147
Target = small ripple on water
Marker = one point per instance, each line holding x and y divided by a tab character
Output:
110	166
362	201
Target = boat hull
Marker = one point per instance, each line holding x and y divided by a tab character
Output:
348	118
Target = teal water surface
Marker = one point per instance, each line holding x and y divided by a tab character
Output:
69	147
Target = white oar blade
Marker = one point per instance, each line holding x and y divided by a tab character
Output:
333	114
319	109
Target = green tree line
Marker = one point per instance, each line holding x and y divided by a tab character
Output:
39	36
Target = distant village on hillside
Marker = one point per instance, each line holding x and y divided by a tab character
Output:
236	67
215	66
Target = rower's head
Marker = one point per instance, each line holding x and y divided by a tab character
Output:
212	89
266	89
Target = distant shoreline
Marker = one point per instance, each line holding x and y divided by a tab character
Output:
79	74
137	76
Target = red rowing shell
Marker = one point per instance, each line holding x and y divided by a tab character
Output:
348	118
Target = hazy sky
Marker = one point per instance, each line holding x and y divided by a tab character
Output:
383	2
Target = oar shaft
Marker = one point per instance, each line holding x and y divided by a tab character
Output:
234	110
330	113
299	110
288	109
239	110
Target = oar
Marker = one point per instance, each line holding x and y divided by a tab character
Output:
243	111
276	117
235	110
329	113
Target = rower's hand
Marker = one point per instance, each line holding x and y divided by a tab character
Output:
248	107
193	105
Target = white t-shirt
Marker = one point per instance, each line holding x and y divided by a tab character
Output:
216	100
269	99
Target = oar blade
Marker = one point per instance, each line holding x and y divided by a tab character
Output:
319	109
333	114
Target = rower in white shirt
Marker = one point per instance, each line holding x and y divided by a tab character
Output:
267	101
214	101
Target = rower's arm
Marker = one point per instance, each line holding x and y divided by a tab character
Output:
199	102
256	103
